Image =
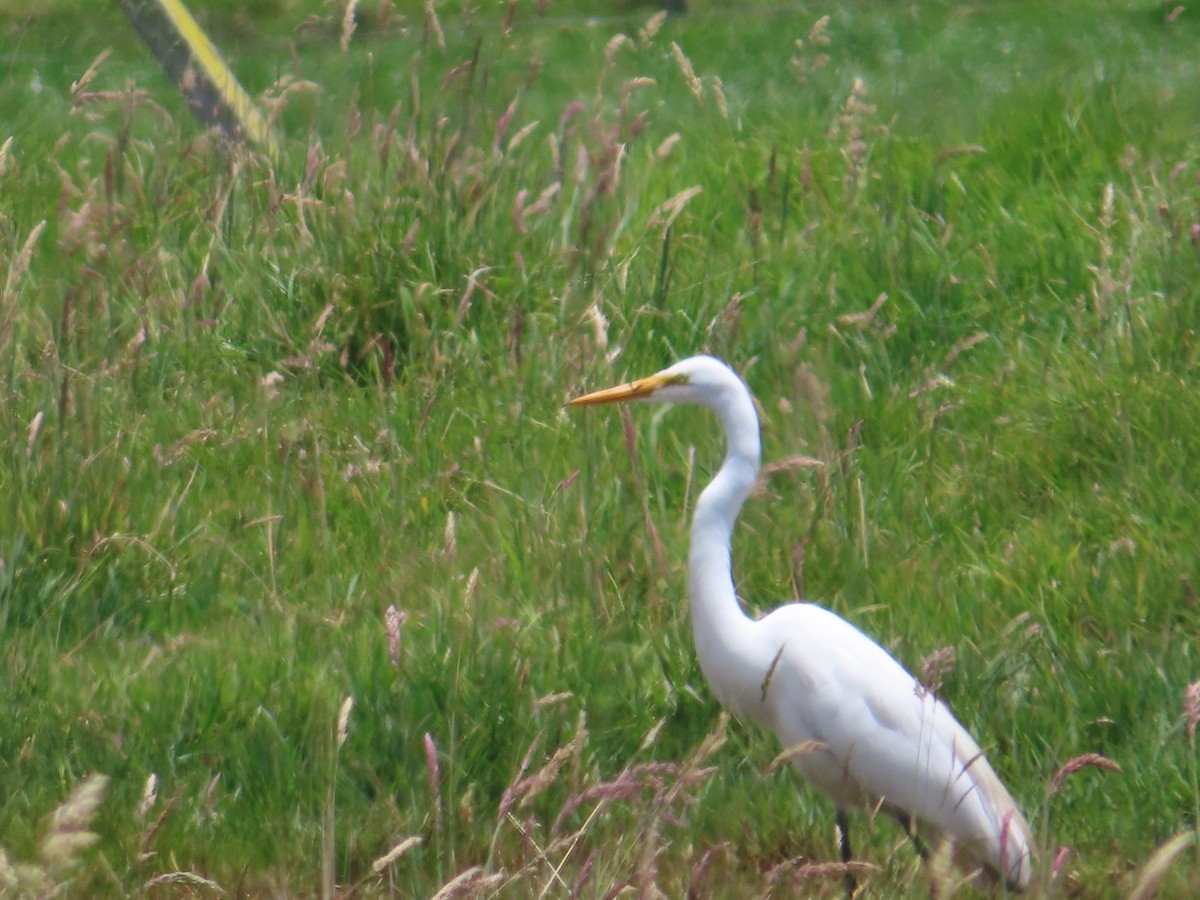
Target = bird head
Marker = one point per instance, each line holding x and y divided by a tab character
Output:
698	379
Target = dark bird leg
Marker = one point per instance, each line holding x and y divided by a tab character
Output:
910	829
843	827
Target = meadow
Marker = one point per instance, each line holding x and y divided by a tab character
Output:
309	586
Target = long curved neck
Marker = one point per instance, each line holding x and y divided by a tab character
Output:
715	610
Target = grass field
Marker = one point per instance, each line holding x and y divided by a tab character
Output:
249	408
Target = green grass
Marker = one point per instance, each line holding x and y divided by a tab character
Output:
245	410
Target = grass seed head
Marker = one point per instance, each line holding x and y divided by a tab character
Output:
35	428
70	828
449	538
794	752
530	787
470	882
1060	859
20	264
431	766
689	73
386	861
343	720
187	879
9	880
149	796
5	156
719	93
433	26
664	149
614	47
802	61
393	619
1083	761
1158	864
1191	709
647	32
935	667
349	23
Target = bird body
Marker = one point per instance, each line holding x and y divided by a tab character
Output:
863	730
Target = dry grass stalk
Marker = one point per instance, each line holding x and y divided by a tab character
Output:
523	132
343	720
149	796
719	93
815	395
625	786
9	879
962	346
651	845
24	880
79	86
700	868
542	856
17	268
1158	864
144	853
668	211
387	860
1105	287
634	84
583	876
69	833
793	870
599	323
449	538
349	23
509	798
796	750
693	772
802	62
613	47
472	584
1059	860
664	149
934	668
393	620
647	32
541	206
793	463
851	127
651	735
1191	709
471	882
864	319
35	428
939	869
935	382
435	774
553	699
1084	761
5	156
689	73
188	879
276	98
433	26
530	787
500	129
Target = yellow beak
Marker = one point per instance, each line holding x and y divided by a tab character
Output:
643	387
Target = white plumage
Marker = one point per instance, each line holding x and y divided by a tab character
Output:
807	675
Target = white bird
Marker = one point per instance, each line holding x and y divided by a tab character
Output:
869	735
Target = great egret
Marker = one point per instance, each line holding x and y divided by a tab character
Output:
871	736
